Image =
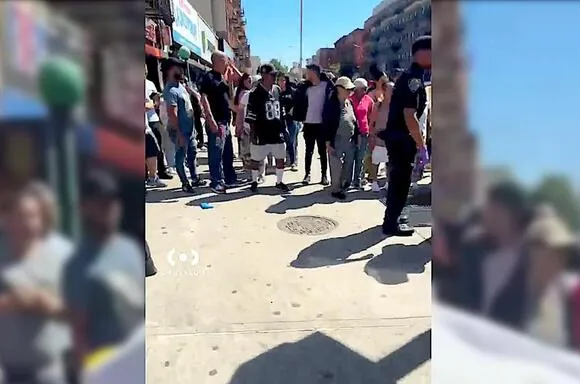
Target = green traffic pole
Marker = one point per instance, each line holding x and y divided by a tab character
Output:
62	86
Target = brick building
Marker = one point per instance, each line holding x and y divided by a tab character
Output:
349	51
235	33
392	28
226	17
325	57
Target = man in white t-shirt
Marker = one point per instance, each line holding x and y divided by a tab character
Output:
154	122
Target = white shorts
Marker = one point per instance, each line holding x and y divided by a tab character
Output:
380	155
260	152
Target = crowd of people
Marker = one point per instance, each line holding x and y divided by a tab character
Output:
355	126
64	301
513	261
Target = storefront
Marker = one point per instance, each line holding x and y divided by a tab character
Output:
187	32
209	41
157	43
29	32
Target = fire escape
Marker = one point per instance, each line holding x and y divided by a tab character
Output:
238	27
159	10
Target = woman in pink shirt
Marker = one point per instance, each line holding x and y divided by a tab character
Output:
363	107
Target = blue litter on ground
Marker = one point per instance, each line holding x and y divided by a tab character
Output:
206	206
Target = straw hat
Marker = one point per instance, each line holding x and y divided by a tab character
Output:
548	229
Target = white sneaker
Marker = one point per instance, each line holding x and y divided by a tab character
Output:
154	182
375	187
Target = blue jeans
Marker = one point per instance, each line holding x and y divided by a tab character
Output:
220	153
185	153
292	141
358	160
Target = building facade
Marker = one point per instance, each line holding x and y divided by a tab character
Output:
392	28
255	63
226	18
349	51
325	57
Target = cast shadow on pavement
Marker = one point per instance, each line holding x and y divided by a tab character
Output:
337	250
165	196
397	261
319	359
237	194
295	202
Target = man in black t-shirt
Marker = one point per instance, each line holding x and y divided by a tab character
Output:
216	101
266	118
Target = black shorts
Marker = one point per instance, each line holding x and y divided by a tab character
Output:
151	146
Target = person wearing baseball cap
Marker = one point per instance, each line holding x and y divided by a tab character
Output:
266	119
405	143
342	138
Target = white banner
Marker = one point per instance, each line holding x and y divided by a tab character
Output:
470	350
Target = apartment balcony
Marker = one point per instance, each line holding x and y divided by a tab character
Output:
159	9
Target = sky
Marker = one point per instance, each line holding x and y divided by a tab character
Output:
523	71
273	27
524	103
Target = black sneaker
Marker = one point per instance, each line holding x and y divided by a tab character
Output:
218	189
306	180
401	230
254	186
165	176
338	195
232	184
197	182
282	187
324	181
187	188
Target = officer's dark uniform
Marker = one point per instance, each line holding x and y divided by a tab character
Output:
408	92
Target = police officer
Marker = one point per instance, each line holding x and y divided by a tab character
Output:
403	136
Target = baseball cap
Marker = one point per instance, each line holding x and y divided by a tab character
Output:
344	82
267	69
314	67
361	83
422	43
99	184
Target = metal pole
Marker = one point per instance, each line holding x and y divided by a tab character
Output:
301	18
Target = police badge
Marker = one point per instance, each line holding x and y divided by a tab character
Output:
414	85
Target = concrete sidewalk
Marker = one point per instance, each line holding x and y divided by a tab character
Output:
237	300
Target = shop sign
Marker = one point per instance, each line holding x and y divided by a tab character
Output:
186	26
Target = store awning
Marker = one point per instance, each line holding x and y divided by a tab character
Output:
15	104
155	52
120	152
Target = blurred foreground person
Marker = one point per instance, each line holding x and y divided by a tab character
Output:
491	269
342	140
553	299
403	136
34	336
104	280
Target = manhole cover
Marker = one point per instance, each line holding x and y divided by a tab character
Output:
307	225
